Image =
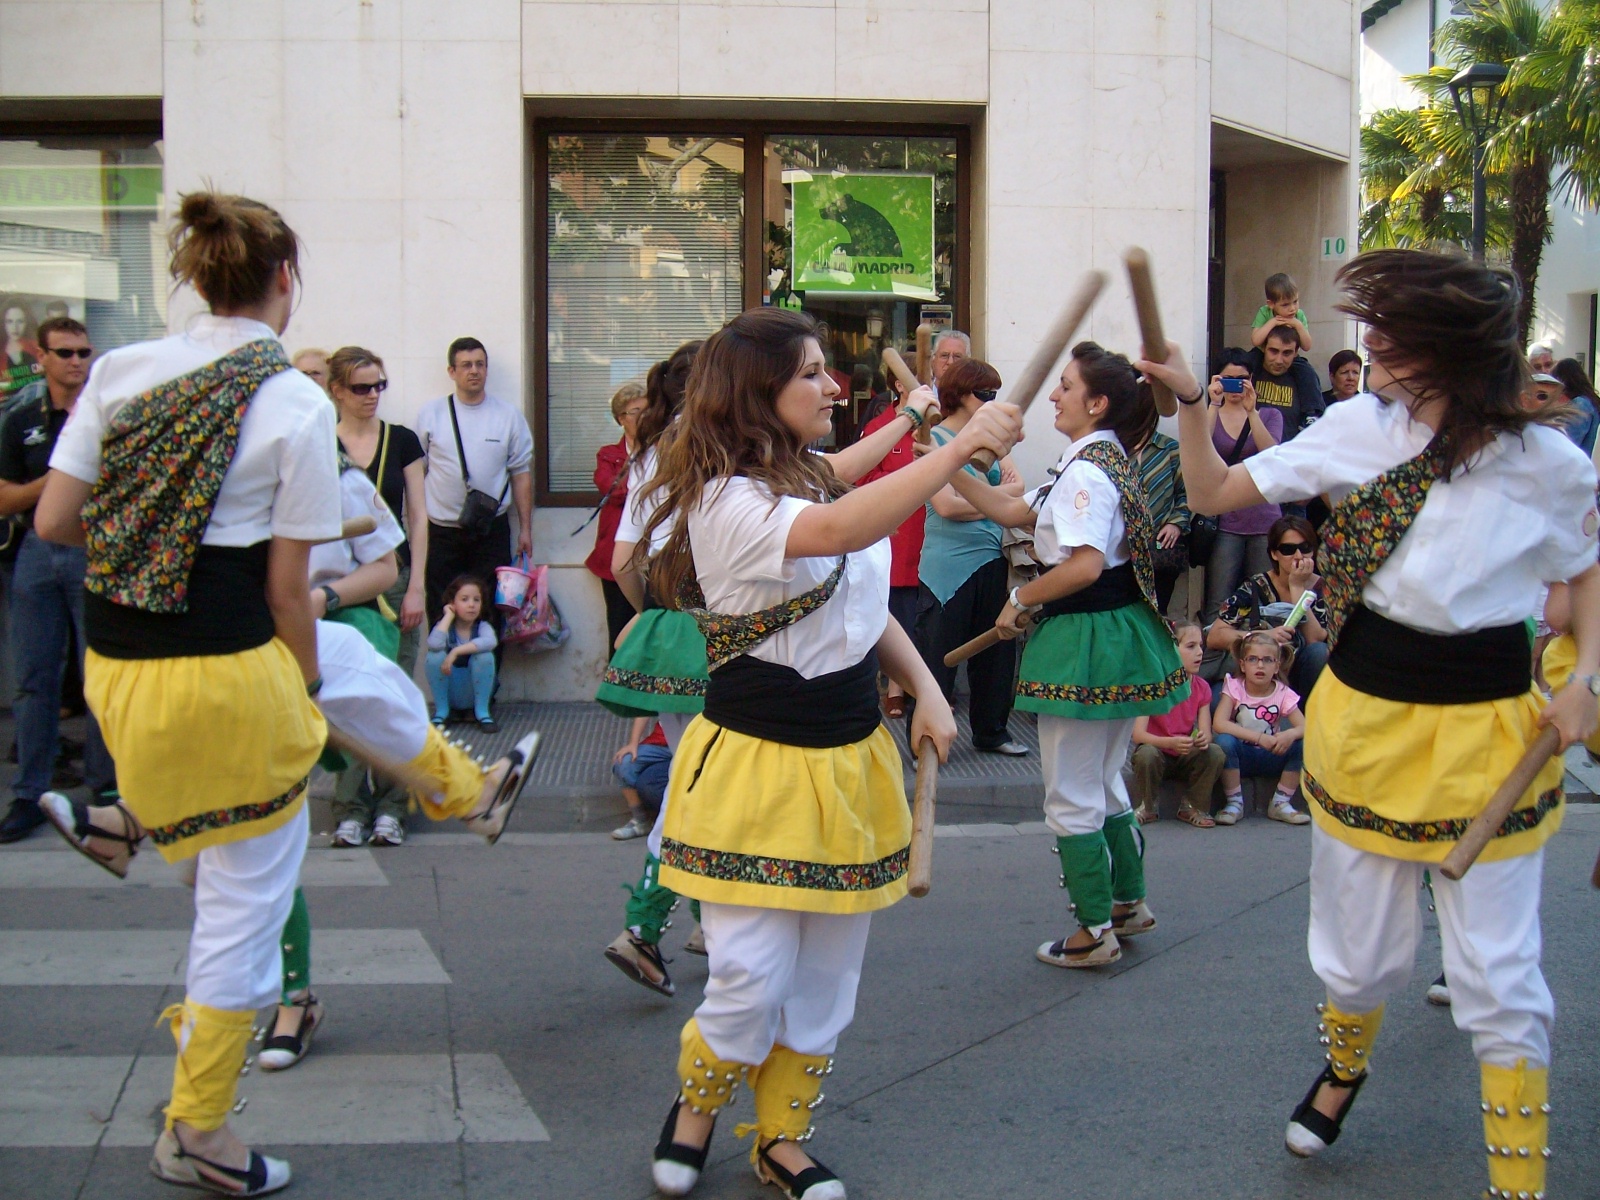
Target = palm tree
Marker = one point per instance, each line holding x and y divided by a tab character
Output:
1417	191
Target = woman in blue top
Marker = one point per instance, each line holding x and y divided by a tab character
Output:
964	575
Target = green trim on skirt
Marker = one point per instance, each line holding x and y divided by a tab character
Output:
660	667
1102	666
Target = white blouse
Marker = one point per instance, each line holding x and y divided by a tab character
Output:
1083	508
738	534
332	561
637	509
284	477
1522	514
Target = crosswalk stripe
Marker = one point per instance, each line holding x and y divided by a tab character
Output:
38	957
328	1100
342	1100
322	868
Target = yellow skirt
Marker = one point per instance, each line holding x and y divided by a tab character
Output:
772	826
1405	780
209	749
1560	657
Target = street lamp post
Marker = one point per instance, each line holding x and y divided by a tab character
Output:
1480	102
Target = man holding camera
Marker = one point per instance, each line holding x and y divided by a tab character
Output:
479	462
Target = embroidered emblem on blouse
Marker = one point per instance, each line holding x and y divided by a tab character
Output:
222	818
728	635
1122	693
1108	456
162	464
1368	524
1356	816
731	867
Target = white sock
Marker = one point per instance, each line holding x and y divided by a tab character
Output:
1236	797
1285	797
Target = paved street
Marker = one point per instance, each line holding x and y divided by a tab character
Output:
479	1046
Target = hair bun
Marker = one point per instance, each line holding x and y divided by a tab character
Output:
204	212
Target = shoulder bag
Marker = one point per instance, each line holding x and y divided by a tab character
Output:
479	509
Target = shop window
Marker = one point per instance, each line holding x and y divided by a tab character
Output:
649	236
81	235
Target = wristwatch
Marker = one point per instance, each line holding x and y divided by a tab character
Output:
1016	601
333	600
1592	682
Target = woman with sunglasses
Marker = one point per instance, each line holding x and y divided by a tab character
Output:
964	574
1262	602
1453	508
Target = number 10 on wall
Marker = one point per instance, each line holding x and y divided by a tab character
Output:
1333	247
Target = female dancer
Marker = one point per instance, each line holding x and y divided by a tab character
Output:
660	666
200	469
791	828
1452	507
1102	655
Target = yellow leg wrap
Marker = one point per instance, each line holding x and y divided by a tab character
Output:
788	1088
211	1051
1349	1038
1516	1129
459	778
708	1083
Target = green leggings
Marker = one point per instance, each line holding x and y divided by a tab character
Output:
650	904
297	948
1102	867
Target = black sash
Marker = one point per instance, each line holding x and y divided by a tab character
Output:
227	611
1395	662
1116	588
774	703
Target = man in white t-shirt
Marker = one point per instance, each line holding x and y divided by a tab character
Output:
498	445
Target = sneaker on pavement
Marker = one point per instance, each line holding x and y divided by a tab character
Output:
1282	810
636	827
1439	992
1231	812
349	833
1008	748
25	816
386	831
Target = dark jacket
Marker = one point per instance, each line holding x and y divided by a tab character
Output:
1300	389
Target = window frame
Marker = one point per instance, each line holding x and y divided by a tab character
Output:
754	135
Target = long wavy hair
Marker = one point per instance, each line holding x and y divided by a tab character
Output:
664	388
730	427
1451	325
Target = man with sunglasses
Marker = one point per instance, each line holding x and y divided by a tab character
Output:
46	590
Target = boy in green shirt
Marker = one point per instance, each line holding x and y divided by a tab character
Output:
1282	308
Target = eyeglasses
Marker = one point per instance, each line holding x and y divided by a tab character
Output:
368	389
1256	660
71	352
1288	549
986	394
635	413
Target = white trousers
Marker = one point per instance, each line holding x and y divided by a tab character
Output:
1366	921
672	726
1083	763
366	695
779	977
242	894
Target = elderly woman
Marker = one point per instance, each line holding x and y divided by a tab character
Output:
964	575
611	463
1344	374
1262	602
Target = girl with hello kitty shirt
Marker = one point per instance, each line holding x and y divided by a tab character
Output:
1259	727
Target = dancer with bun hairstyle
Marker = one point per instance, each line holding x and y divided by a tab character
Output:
1102	655
786	814
1452	508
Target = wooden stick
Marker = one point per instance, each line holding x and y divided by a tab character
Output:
1487	823
354	527
1025	390
1595	878
403	773
897	367
989	637
924	353
1150	331
921	869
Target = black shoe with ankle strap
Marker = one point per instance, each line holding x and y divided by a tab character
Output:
1310	1132
816	1182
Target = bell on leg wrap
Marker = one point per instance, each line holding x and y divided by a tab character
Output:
297	949
1349	1038
211	1050
458	776
708	1083
1516	1129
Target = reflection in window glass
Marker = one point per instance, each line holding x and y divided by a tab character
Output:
645	239
81	235
861	233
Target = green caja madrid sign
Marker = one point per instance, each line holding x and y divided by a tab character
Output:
863	234
73	187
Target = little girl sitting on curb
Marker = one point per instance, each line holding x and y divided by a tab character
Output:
460	634
1259	726
1179	744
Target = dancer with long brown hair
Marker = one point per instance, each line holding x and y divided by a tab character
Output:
786	815
1427	702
